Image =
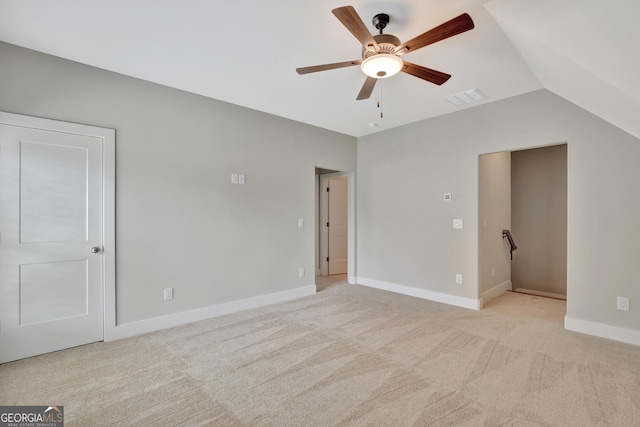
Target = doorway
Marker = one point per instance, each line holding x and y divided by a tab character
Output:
525	192
335	227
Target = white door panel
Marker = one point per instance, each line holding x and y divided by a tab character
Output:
51	214
53	291
53	179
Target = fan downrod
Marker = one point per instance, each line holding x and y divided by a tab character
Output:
380	21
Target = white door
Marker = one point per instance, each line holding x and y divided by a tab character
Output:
51	219
338	225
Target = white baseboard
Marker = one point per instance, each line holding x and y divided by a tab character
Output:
473	304
602	330
126	330
496	291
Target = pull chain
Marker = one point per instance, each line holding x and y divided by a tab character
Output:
380	102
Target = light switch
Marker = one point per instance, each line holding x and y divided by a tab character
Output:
234	178
457	223
300	223
241	179
623	304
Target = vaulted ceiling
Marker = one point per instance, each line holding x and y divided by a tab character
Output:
246	51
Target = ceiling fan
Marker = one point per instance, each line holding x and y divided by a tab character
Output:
381	53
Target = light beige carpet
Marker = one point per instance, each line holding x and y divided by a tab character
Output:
346	356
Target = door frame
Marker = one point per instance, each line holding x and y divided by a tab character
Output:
321	218
108	137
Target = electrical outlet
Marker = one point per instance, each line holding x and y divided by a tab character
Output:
168	294
623	304
458	279
457	223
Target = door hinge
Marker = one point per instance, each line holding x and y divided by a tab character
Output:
327	259
327	224
327	189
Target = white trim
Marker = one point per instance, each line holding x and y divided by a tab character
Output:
473	304
496	291
602	330
109	231
126	330
323	233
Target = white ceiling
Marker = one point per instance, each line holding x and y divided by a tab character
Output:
245	52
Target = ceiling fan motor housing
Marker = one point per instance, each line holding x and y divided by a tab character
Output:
386	42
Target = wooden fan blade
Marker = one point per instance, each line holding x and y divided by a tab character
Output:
450	28
367	88
433	76
350	19
325	67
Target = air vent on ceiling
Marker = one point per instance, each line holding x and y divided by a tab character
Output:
467	97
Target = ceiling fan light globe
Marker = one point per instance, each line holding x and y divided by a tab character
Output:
381	66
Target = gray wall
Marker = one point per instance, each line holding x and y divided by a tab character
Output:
404	227
494	215
539	219
180	223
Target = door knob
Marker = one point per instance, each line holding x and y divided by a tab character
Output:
95	249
